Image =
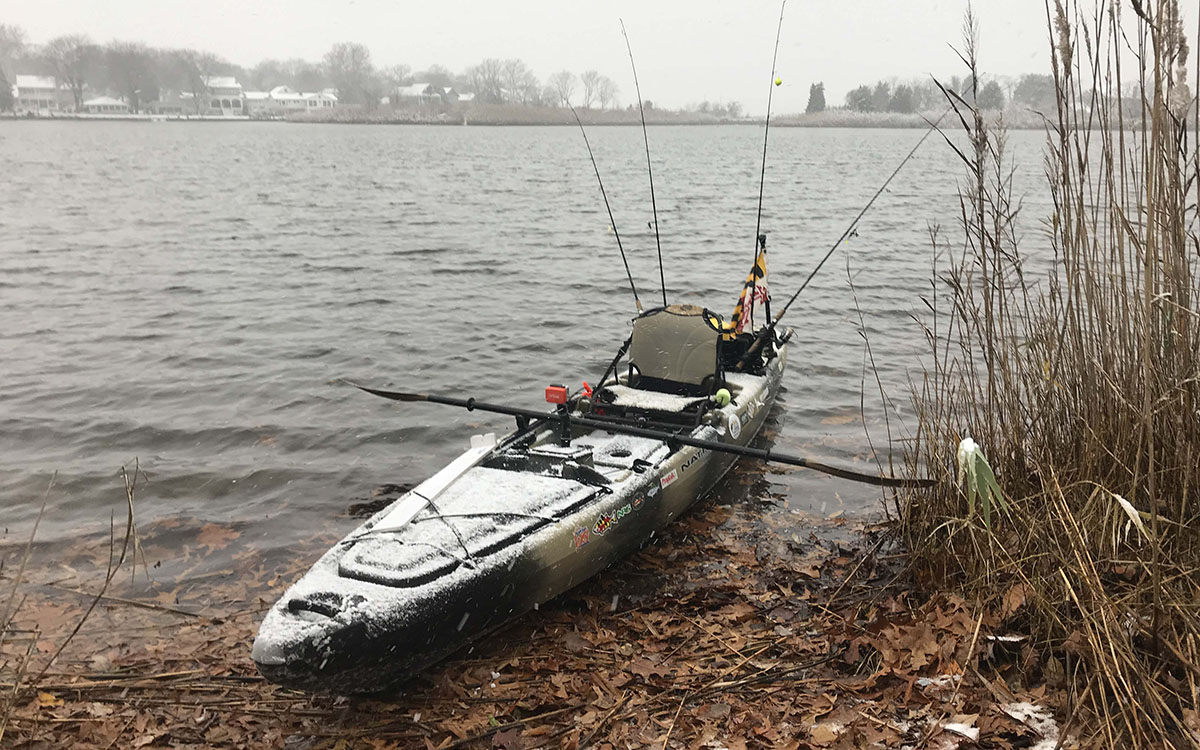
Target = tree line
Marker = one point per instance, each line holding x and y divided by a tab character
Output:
1031	91
139	74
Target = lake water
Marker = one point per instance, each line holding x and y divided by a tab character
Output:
186	295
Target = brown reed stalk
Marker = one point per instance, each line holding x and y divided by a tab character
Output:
116	559
1077	369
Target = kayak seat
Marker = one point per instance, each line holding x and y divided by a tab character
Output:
676	349
674	367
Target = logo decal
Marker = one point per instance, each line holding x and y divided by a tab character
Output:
669	478
637	503
582	537
695	457
735	427
605	523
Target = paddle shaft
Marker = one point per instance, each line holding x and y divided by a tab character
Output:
670	438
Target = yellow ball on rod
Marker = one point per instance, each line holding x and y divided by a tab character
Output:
778	81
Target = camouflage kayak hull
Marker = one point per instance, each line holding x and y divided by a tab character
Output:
511	525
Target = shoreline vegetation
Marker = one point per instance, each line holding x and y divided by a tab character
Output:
515	115
1078	377
128	80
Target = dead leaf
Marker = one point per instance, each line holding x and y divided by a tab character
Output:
1013	599
99	710
714	711
509	740
826	734
575	642
214	536
840	419
48	700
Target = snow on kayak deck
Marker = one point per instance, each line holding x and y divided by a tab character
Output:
493	510
620	451
636	398
482	511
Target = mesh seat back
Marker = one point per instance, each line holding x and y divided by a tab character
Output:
675	344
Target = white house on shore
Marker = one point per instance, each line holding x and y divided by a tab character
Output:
282	101
105	105
40	94
421	93
224	97
425	93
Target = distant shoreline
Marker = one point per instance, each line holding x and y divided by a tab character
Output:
511	115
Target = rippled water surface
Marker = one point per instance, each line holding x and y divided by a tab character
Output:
186	294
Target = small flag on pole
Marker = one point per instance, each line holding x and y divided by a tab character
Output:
754	296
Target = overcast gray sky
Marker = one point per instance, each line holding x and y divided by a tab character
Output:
686	50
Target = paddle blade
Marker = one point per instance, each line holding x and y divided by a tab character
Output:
393	395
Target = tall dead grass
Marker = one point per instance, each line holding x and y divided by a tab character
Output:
1079	376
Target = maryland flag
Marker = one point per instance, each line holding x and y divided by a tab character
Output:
754	305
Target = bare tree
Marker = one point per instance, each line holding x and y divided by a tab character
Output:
305	75
393	79
268	74
591	87
515	76
348	65
397	75
193	68
436	75
531	88
12	46
71	57
130	67
561	87
486	80
606	92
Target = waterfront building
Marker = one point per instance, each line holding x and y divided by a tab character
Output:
223	97
40	95
422	93
173	104
105	105
282	101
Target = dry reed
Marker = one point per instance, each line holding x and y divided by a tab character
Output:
1081	382
21	682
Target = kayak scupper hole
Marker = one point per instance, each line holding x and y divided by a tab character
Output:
316	606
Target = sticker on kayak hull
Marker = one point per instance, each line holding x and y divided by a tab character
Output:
735	428
669	478
605	523
582	537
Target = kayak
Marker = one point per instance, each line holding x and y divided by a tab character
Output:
514	522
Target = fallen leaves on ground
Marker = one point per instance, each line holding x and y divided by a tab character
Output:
735	630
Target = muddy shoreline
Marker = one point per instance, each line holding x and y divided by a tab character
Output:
744	626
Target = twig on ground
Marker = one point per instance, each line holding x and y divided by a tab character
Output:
130	602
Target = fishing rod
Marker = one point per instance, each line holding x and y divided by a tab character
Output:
770	328
672	439
612	222
762	178
646	137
